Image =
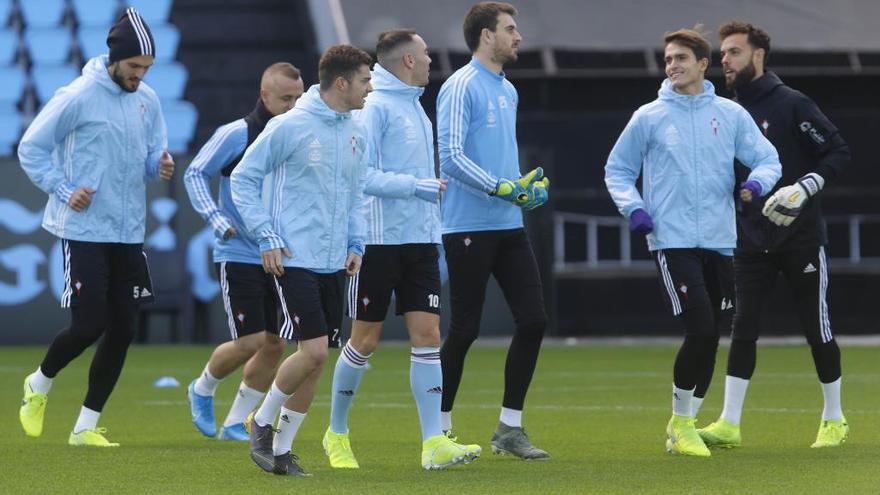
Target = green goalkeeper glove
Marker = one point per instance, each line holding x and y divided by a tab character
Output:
516	191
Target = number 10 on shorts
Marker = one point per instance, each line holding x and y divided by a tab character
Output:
433	301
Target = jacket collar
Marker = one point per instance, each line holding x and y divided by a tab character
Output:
384	80
312	103
757	89
260	115
668	94
96	70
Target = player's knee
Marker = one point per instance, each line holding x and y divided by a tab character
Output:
89	322
463	336
425	337
533	330
273	346
316	354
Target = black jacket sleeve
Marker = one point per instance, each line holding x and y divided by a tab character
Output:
821	138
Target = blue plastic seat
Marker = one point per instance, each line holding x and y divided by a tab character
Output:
48	45
47	79
42	13
95	12
10	129
5	11
8	46
168	80
167	38
93	41
180	119
12	84
153	11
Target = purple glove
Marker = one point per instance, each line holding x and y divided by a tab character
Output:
754	187
640	222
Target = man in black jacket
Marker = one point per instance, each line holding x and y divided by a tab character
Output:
786	234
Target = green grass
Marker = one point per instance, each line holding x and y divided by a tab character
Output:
600	411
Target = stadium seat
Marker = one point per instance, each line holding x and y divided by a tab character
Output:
180	118
167	37
10	129
8	46
5	11
93	41
153	11
12	84
42	13
48	45
47	79
168	80
95	12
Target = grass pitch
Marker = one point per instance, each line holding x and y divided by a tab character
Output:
600	411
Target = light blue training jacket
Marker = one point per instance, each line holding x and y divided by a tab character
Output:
94	134
312	199
476	137
227	144
685	147
403	202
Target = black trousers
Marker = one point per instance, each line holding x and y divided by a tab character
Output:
806	272
697	286
105	283
471	258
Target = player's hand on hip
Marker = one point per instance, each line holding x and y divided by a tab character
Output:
229	233
81	198
166	166
443	184
352	264
273	260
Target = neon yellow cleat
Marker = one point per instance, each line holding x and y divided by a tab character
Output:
832	433
338	450
33	408
439	452
721	433
682	437
90	438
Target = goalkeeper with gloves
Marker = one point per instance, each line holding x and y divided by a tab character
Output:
482	219
785	233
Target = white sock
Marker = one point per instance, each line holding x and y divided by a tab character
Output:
511	417
446	420
734	397
681	401
267	412
696	404
288	425
206	384
87	420
39	382
831	392
245	401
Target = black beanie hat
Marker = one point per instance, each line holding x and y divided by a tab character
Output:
130	37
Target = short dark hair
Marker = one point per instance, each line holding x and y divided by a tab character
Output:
483	15
341	61
691	38
285	69
757	37
390	40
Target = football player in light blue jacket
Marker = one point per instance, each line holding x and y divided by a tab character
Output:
91	149
403	217
249	295
299	190
684	145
